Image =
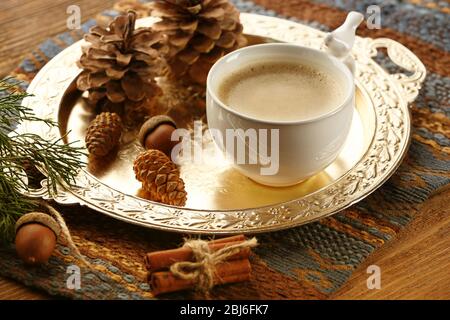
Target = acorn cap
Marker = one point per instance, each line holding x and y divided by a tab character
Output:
151	124
41	218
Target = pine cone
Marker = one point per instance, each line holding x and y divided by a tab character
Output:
120	65
141	8
199	33
160	177
103	134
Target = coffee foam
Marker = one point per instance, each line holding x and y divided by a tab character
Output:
281	91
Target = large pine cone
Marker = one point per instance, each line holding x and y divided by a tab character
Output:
142	10
103	134
199	33
120	65
160	177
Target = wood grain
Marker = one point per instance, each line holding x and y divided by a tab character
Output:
24	24
413	266
12	290
416	264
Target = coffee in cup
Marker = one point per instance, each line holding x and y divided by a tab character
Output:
282	90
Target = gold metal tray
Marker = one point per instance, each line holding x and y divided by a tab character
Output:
221	200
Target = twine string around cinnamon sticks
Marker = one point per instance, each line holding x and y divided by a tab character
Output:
203	269
200	264
159	260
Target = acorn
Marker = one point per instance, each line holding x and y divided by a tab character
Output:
156	133
36	237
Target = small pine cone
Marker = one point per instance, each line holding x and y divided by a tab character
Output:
103	134
160	177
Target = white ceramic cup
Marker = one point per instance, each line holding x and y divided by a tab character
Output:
305	146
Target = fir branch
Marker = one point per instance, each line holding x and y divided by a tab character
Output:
18	151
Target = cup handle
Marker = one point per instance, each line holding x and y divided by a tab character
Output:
339	42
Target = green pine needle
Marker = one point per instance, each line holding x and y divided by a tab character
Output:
61	162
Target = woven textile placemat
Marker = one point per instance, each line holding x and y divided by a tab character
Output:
307	262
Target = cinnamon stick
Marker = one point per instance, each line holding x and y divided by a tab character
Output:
159	260
226	272
239	237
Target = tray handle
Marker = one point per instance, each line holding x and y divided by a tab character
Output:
403	57
61	196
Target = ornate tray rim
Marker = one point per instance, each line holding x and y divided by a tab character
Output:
389	93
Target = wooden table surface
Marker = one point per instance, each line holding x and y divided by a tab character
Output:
413	266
